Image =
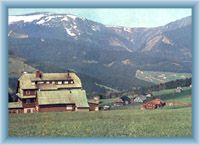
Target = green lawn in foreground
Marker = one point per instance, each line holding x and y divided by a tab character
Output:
130	122
125	121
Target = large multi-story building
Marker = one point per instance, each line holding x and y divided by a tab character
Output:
46	92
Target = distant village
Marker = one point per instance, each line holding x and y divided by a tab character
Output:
57	92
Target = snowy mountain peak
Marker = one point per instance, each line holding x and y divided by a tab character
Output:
40	18
65	21
25	18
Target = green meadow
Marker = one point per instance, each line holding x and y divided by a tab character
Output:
128	121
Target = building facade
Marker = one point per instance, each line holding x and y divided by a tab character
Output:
49	92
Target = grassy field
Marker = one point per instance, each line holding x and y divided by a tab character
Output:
157	77
134	123
126	121
163	122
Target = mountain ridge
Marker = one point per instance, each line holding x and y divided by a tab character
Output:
109	54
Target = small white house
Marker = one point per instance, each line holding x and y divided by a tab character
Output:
140	99
148	95
106	107
179	89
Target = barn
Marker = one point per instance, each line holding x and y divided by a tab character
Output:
49	92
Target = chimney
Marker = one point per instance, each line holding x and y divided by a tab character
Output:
68	76
38	74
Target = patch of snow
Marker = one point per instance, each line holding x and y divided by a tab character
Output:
40	22
70	32
75	27
47	19
72	16
64	19
95	28
51	17
129	50
127	29
25	19
90	61
110	64
132	40
42	40
126	61
167	41
9	33
176	64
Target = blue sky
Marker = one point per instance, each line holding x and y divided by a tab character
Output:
129	17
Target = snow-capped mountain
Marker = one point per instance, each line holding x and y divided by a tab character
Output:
70	25
111	54
62	26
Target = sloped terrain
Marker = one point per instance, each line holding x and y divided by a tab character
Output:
57	42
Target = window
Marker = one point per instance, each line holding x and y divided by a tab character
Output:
47	82
53	82
71	82
65	82
28	92
40	82
69	107
28	100
59	82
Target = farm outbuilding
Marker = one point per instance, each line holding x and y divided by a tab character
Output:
149	95
15	107
179	89
47	92
154	104
126	99
94	104
140	99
